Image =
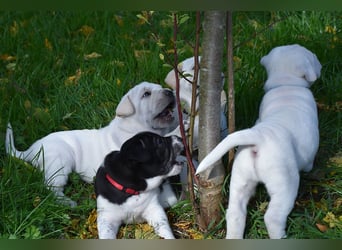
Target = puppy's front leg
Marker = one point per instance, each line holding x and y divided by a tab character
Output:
107	227
157	218
167	197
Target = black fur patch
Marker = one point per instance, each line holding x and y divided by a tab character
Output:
144	156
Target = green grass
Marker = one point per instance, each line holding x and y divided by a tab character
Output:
48	84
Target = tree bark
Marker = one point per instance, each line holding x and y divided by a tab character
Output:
210	182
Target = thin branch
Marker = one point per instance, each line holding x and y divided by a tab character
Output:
191	172
194	81
230	73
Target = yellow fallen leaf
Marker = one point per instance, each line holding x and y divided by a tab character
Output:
331	219
27	104
337	159
75	223
90	228
14	28
36	201
73	80
144	231
263	206
194	234
118	20
314	190
338	202
330	29
322	228
7	58
86	30
143	18
183	224
140	53
47	44
92	55
170	51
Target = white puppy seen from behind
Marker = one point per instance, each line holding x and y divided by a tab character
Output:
283	141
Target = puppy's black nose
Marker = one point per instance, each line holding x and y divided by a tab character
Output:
168	92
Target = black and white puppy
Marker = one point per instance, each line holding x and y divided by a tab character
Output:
127	185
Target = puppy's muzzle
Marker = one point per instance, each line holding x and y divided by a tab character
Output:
168	93
177	144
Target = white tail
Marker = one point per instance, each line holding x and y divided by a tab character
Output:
240	138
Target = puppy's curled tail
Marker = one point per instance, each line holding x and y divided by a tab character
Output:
9	143
246	137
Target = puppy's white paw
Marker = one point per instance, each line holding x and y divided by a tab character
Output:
66	201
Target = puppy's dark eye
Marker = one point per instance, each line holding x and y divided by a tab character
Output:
146	94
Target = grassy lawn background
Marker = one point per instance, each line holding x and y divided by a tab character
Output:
68	70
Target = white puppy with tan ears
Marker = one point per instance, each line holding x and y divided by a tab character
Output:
145	107
283	141
186	67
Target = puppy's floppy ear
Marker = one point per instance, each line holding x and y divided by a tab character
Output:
312	68
170	79
111	159
125	108
135	150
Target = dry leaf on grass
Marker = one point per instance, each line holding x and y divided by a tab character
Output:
322	228
86	30
92	55
7	57
90	227
73	80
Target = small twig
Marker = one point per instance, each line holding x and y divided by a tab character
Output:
193	110
230	73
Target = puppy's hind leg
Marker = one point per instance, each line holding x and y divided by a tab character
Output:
242	187
56	178
283	194
239	195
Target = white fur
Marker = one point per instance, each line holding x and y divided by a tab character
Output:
283	141
83	151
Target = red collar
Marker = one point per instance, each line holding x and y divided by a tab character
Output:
120	187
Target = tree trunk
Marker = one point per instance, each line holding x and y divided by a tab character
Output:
210	183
